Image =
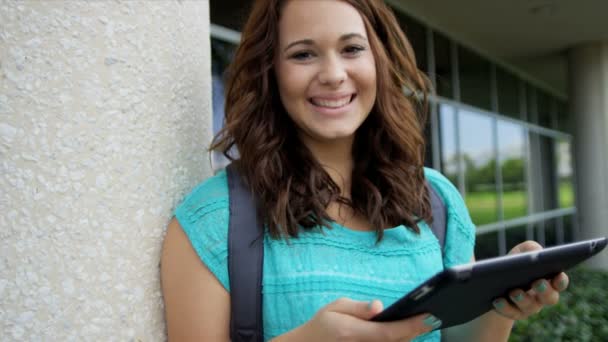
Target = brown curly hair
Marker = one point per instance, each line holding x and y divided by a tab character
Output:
292	190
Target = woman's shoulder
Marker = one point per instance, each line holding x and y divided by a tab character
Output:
208	196
443	185
204	217
460	233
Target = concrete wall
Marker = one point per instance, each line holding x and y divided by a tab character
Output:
105	116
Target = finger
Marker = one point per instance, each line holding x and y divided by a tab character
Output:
545	293
560	282
524	301
526	246
359	309
506	309
409	328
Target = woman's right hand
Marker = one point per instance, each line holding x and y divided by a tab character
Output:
348	320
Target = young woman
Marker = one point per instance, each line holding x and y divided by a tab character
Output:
333	151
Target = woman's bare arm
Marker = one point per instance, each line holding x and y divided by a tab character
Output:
197	307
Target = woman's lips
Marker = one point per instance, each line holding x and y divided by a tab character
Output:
332	106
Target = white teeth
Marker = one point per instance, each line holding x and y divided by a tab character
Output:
332	103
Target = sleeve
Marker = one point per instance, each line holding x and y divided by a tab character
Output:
204	217
460	231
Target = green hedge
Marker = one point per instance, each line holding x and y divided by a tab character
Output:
580	315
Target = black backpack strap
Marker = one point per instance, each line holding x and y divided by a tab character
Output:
439	213
245	262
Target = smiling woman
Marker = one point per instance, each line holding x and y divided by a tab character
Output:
326	75
332	152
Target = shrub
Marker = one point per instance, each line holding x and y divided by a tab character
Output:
580	315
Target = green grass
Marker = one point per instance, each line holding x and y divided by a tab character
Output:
566	194
483	207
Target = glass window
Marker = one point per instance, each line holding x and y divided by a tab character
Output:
222	54
475	85
563	117
569	233
550	232
532	110
508	93
443	66
544	107
515	236
486	246
416	34
449	159
564	174
479	166
229	13
511	145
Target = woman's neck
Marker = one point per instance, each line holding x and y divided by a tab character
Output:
336	158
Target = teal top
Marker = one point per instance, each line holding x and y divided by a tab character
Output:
318	267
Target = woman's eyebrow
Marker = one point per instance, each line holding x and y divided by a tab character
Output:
343	37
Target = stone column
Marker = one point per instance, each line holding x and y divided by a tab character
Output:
105	117
588	79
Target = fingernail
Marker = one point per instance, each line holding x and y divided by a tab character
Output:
562	284
499	304
369	305
432	321
518	297
541	287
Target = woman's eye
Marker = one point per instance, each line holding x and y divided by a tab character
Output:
353	49
300	56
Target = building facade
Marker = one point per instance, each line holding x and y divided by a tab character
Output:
516	144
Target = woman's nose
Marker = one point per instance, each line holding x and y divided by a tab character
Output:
332	72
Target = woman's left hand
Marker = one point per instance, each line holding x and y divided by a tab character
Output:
523	304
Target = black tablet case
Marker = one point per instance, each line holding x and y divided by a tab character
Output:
460	294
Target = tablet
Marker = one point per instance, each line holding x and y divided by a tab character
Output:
459	294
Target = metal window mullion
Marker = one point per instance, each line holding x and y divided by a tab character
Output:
502	239
559	223
523	108
454	66
538	217
456	94
502	236
540	230
225	34
435	129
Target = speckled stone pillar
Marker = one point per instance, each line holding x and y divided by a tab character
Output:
105	117
588	79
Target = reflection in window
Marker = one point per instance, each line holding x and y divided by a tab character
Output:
511	144
515	236
475	85
449	159
221	55
443	66
508	93
416	34
486	246
479	166
544	109
564	174
550	232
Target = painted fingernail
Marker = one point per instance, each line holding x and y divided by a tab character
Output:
541	287
432	321
562	284
499	304
518	297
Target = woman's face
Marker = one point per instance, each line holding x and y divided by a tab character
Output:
325	69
